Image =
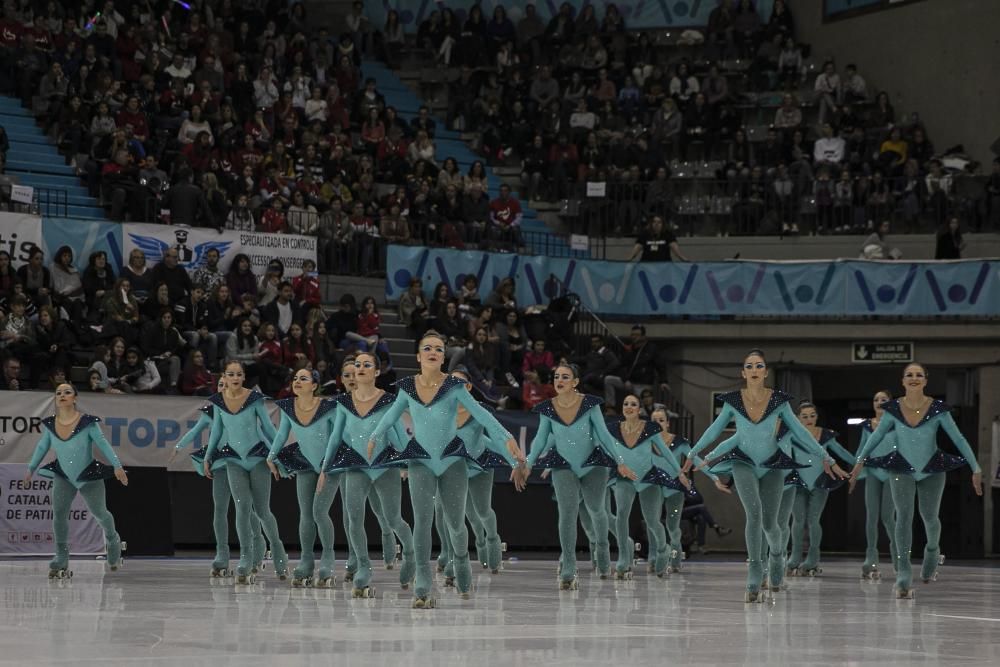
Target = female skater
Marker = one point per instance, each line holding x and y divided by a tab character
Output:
918	466
74	436
878	497
432	397
579	449
811	494
346	448
241	413
758	465
220	494
641	445
310	418
485	456
388	541
673	497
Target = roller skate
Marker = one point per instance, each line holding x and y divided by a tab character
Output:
929	570
59	565
364	592
302	575
904	593
753	594
324	575
675	560
114	551
390	562
569	584
423	602
407	570
496	557
870	572
281	565
245	576
220	566
812	572
623	575
636	550
793	571
756	590
259	553
449	582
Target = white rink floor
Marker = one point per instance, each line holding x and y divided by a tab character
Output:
165	612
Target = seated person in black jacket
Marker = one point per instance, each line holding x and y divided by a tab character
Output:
163	344
283	311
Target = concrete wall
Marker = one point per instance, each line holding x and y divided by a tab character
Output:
937	57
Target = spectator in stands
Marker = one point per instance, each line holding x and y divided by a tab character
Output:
11	373
746	26
67	286
297	347
535	389
187	203
643	367
271	360
657	244
163	345
829	150
158	301
894	151
827	89
715	86
35	278
511	347
595	365
193	320
17	333
949	241
667	126
306	286
538	359
98	279
170	272
283	311
482	360
505	219
721	24
877	245
197	379
854	88
209	276
121	312
789	115
7	276
413	310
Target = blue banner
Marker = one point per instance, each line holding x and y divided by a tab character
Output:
839	9
84	237
638	14
716	289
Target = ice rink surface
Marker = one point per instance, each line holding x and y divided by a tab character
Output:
168	612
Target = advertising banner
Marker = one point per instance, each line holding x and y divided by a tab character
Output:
716	289
193	244
26	517
19	232
84	238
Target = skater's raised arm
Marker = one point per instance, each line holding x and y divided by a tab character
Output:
336	435
673	465
801	433
951	428
489	422
714	430
839	451
204	421
97	437
885	424
541	440
284	428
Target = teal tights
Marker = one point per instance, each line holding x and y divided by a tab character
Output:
314	517
483	521
386	491
252	492
220	523
569	488
388	541
452	485
928	491
675	511
761	499
807	510
588	528
878	505
651	503
63	494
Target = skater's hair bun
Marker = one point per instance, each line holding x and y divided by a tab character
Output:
803	404
756	352
461	369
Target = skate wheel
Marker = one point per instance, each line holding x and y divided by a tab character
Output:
941	559
390	566
495	570
124	545
399	548
449	581
904	594
503	547
366	592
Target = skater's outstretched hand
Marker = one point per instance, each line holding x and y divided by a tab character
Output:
173	455
519	476
371	449
274	469
208	469
27	478
977	483
834	470
121	476
688	462
856	471
685	481
851	483
627	473
720	485
515	451
320	482
545	473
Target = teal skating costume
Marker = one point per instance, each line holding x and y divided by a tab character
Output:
673	500
484	456
811	488
758	467
304	459
76	470
249	478
432	455
220	496
878	501
346	453
656	469
579	454
916	465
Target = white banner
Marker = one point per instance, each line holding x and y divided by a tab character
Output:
19	232
26	517
193	243
22	194
142	429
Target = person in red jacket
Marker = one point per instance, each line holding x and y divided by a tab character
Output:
297	347
271	360
538	359
132	114
273	220
306	286
534	391
200	154
197	380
